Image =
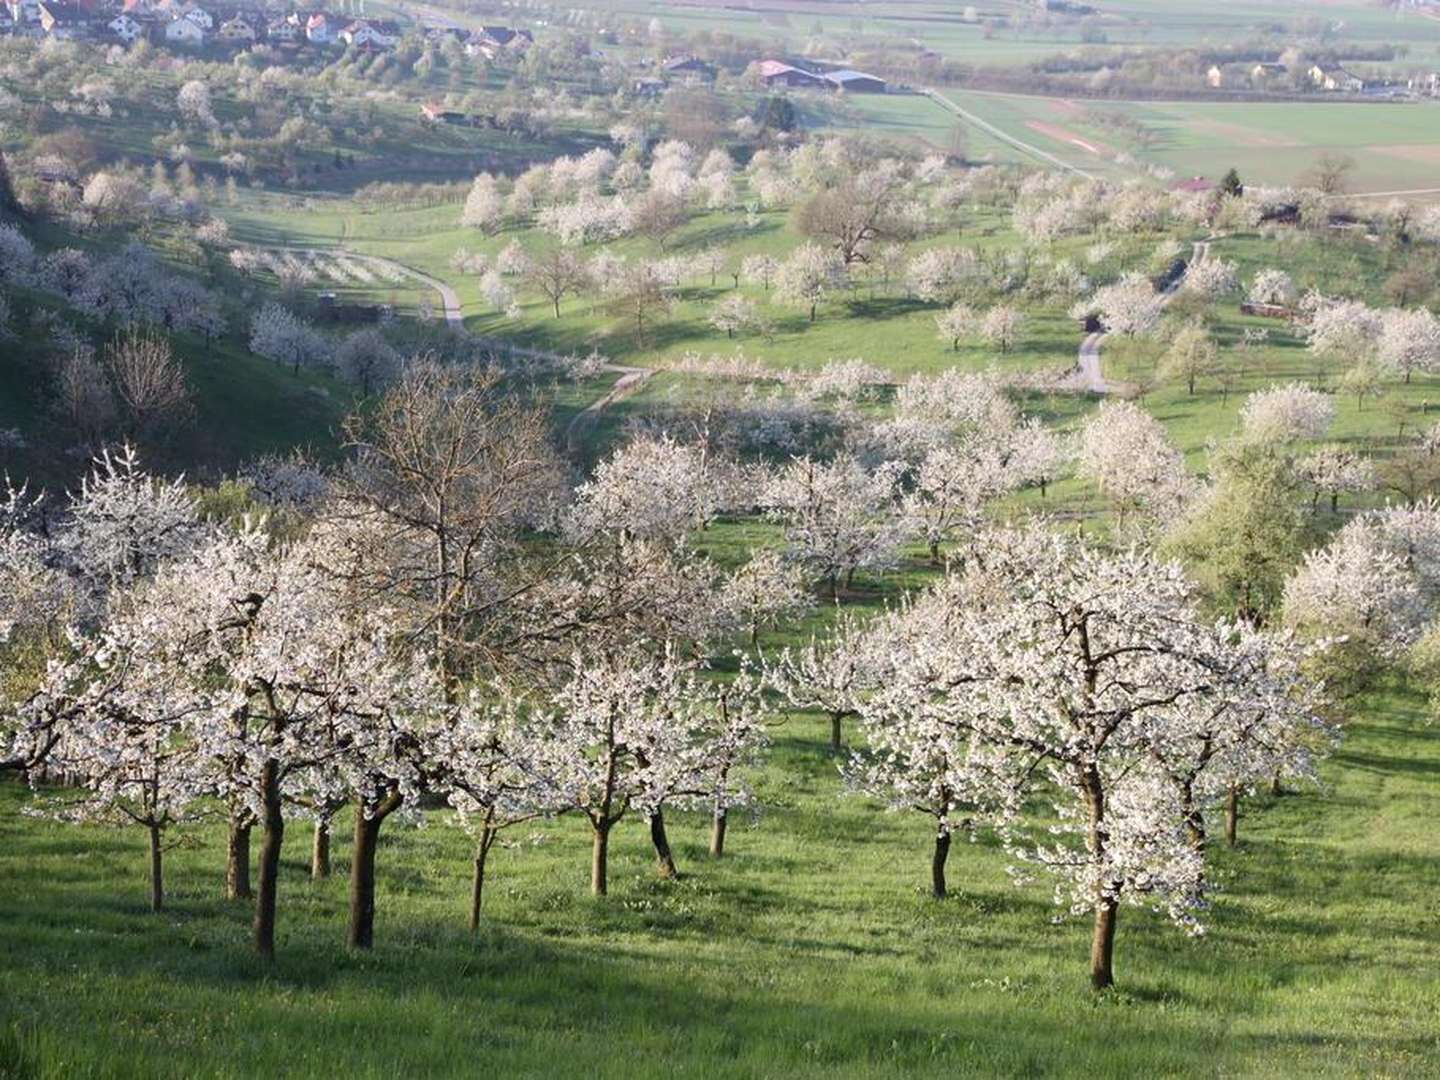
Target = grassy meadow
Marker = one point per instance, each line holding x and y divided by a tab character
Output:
810	950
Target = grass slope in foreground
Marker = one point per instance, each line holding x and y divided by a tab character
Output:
812	951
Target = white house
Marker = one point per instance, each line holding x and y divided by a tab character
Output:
236	30
184	32
282	30
24	11
125	28
364	33
201	18
1336	78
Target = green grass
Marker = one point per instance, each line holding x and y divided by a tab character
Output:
809	951
1393	145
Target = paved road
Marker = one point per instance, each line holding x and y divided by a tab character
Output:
1088	375
984	125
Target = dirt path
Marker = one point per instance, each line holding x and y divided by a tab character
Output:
631	379
1089	376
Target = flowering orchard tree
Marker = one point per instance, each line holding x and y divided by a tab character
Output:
838	516
955	323
1333	471
760	270
951	487
1287	413
734	314
124	523
620	733
485	756
831	675
768	591
484	205
651	488
1409	342
1001	327
1357	598
1130	307
1271	286
1125	452
809	275
279	335
1210	278
913	759
1346	329
1072	666
127	747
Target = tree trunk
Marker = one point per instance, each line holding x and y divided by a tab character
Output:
1275	788
477	877
320	850
1102	945
362	872
664	859
1232	815
157	870
237	859
835	719
937	864
599	858
717	833
272	836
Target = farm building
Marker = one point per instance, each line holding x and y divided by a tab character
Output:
1195	185
688	65
856	82
1336	78
778	73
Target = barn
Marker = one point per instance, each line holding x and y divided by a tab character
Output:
856	82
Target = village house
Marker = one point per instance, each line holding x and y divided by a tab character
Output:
1215	77
239	29
282	31
24	12
1336	78
65	22
184	32
691	66
649	87
491	41
1264	72
125	28
201	18
364	33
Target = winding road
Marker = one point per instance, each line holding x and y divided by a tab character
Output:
1088	375
631	378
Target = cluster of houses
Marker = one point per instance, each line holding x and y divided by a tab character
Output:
1334	78
190	24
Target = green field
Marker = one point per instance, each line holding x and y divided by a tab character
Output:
1394	146
810	951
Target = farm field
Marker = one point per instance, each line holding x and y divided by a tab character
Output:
1128	23
1394	146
